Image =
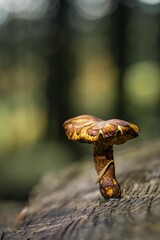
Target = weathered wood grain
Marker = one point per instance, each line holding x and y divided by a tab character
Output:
68	206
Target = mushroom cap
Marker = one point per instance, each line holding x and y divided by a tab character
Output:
93	130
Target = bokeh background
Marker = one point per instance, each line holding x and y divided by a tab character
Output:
62	58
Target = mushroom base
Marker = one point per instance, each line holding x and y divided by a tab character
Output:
109	186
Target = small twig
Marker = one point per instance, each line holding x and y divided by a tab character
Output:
103	171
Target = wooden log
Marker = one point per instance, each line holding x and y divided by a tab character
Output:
69	206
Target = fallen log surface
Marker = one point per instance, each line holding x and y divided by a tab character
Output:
69	206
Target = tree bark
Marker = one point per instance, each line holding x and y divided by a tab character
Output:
69	206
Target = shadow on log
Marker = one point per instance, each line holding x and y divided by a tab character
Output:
68	206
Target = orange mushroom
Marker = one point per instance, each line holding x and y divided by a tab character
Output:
102	134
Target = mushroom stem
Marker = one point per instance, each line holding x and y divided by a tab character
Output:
103	156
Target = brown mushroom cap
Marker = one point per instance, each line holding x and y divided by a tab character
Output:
90	129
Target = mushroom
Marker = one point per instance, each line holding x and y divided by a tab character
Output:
102	134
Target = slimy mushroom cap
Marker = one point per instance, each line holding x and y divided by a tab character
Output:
93	130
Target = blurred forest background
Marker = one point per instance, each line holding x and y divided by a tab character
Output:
63	58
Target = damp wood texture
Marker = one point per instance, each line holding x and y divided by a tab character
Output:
69	206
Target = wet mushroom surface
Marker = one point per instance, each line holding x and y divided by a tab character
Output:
102	134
